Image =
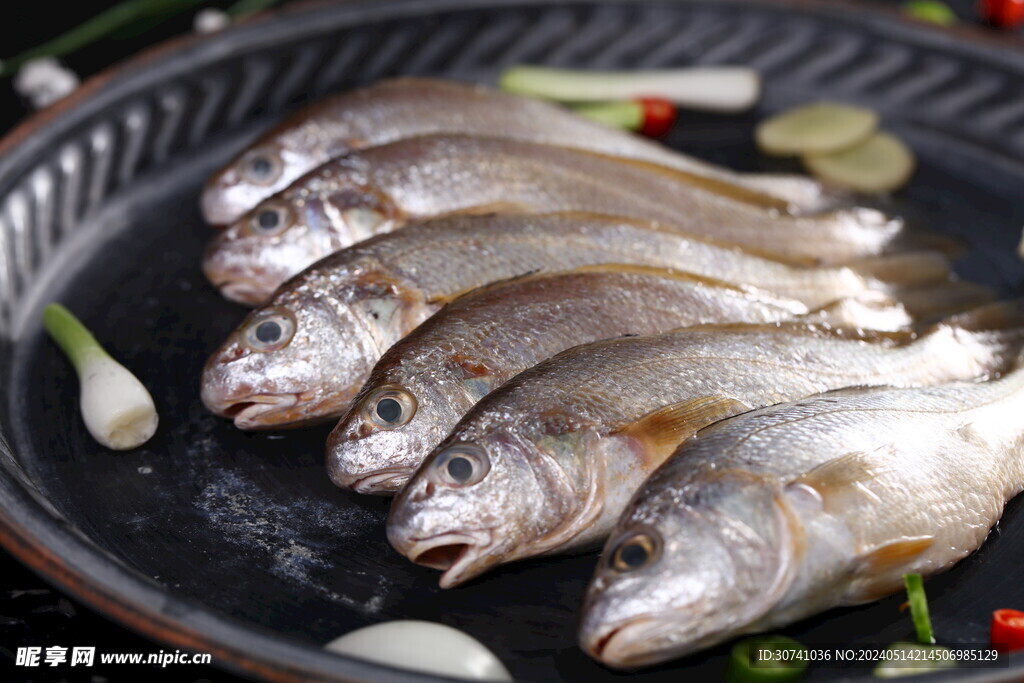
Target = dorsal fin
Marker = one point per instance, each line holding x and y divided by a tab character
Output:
657	271
722	188
796	261
617	268
811	328
448	298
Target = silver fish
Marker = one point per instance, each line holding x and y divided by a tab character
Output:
407	107
377	455
553	456
778	514
337	318
384	188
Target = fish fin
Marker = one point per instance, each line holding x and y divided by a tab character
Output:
904	269
850	473
999	316
663	429
867	311
932	302
444	299
656	271
992	334
492	208
723	188
628	268
915	239
891	555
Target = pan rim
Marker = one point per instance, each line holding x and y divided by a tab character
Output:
47	544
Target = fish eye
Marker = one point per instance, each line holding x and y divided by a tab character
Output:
270	330
270	219
461	464
390	407
262	168
636	551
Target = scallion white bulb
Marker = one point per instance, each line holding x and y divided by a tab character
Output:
118	410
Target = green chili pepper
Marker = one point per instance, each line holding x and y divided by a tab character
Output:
766	659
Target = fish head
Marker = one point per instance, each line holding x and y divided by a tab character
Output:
473	504
686	570
288	232
407	407
264	170
298	359
413	398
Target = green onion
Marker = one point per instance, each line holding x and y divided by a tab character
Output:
785	660
628	114
929	10
910	659
101	25
244	8
919	607
118	411
724	88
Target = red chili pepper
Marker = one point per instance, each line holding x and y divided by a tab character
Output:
1002	13
659	115
1008	629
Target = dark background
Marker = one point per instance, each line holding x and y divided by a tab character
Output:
31	612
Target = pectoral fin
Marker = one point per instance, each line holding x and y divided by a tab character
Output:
661	430
892	555
851	474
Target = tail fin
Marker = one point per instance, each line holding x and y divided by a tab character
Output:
993	335
867	311
996	317
931	303
916	239
892	272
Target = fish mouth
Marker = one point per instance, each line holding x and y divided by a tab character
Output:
385	482
244	291
629	645
215	205
254	411
455	553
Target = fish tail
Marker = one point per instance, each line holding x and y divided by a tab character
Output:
997	330
869	310
893	272
995	317
917	239
931	303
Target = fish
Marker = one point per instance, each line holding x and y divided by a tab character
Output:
337	318
399	108
775	515
377	456
384	188
480	340
550	459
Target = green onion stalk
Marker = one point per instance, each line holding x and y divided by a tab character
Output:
117	409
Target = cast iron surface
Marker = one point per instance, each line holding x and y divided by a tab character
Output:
236	543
